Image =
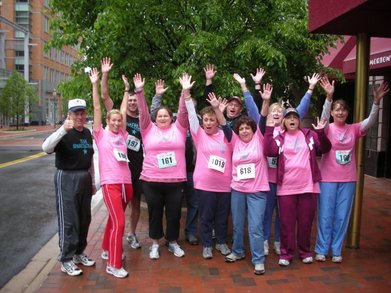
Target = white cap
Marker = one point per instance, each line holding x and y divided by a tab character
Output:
76	104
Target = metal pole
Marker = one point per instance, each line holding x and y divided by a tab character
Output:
26	75
361	95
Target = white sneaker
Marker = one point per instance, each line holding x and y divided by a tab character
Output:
277	247
175	249
223	248
320	257
105	255
266	247
308	260
70	268
154	251
259	269
284	262
118	273
133	241
83	259
336	259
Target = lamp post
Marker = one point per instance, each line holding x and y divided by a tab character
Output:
54	107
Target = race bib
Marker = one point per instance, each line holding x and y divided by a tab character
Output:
246	171
343	157
217	163
133	143
120	156
272	162
166	160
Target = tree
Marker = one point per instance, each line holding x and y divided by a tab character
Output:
16	93
162	38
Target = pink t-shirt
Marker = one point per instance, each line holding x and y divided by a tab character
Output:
164	159
213	169
249	165
297	176
339	165
272	161
113	163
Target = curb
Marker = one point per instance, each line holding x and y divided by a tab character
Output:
32	276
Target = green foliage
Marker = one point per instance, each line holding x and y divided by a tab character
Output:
16	93
163	38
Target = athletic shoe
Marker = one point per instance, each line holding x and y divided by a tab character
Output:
154	251
337	259
70	268
207	252
266	247
176	249
233	257
118	273
105	255
192	239
308	260
223	248
283	262
133	241
277	247
259	269
320	257
83	259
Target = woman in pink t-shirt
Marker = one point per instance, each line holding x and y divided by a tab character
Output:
298	179
164	167
338	169
115	177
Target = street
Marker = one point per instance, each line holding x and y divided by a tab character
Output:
27	210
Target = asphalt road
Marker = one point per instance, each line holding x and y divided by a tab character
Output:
27	210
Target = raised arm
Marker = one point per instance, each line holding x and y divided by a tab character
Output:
210	73
157	98
305	101
94	78
329	90
266	95
51	142
124	103
187	84
252	109
106	66
144	116
257	78
378	94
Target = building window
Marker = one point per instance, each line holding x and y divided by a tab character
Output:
19	68
46	24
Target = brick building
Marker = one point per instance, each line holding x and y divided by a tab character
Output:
24	31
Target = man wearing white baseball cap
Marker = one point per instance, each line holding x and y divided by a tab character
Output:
73	181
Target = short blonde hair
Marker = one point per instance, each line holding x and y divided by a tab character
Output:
112	112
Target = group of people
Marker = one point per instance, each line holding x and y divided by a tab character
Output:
253	165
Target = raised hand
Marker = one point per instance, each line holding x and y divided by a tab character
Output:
68	123
210	71
106	65
257	78
320	123
313	80
239	79
223	104
159	88
126	82
185	81
138	81
213	101
327	86
267	91
94	75
379	92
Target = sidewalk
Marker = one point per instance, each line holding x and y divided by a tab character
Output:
367	269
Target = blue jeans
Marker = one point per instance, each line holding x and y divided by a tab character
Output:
271	205
192	206
255	204
334	207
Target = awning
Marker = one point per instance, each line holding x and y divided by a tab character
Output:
380	57
336	55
